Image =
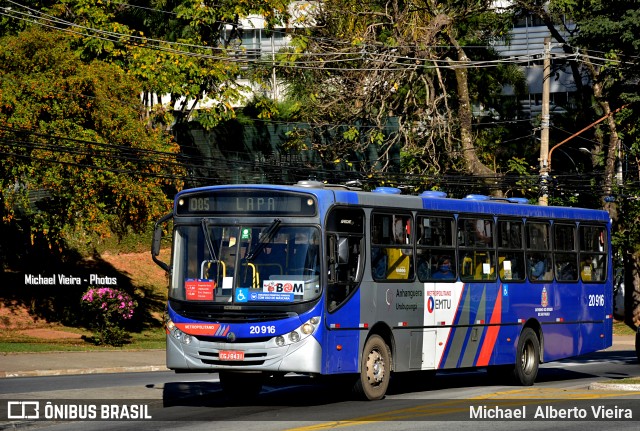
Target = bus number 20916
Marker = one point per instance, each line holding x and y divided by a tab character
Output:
596	300
262	329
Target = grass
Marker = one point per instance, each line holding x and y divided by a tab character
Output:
18	343
621	328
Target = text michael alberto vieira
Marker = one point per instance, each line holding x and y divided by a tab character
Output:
547	412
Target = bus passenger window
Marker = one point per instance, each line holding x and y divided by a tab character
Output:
477	256
587	268
379	263
566	269
391	247
398	264
444	270
511	266
539	267
593	253
565	252
436	265
511	250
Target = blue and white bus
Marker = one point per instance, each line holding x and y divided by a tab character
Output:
327	280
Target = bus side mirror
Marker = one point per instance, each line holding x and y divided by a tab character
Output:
155	245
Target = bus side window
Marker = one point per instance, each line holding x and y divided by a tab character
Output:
436	257
565	253
539	258
345	263
593	253
345	239
477	256
511	250
391	247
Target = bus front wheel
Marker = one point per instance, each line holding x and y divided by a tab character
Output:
375	369
527	358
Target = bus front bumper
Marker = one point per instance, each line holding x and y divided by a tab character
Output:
303	356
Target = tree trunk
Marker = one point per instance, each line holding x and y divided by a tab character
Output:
465	115
632	289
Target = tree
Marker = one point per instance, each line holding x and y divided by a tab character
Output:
611	28
604	41
368	64
77	158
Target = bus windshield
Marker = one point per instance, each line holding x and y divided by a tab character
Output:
271	263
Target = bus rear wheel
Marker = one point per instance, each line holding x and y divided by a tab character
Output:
527	358
375	369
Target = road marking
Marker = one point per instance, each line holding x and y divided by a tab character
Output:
554	393
523	396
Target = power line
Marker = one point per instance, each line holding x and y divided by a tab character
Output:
359	55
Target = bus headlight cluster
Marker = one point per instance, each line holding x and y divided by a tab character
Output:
175	332
303	331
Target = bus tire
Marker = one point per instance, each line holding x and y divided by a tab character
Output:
375	369
239	386
527	358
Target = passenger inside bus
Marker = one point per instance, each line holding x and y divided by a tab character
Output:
536	267
566	271
444	270
586	268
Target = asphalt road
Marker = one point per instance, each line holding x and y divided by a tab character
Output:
195	401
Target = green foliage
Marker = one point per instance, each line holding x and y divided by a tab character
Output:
79	158
373	65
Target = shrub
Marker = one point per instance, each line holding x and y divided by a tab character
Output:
109	308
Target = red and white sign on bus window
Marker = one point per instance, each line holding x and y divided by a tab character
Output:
199	290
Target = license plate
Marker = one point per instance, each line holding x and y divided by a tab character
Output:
231	355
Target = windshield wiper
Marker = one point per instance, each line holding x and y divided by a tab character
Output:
207	239
265	237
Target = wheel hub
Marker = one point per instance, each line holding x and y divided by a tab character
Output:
375	368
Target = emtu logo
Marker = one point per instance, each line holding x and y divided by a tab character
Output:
438	304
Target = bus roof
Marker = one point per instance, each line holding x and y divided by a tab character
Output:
437	201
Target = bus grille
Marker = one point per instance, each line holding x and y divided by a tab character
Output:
237	340
234	317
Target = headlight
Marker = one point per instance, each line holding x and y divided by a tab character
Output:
176	333
307	328
294	337
300	333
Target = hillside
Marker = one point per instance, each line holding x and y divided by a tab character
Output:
26	310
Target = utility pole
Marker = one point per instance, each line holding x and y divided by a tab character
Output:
274	81
545	163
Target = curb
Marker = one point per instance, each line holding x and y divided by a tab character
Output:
70	372
615	387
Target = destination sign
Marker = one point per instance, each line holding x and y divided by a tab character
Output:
246	202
